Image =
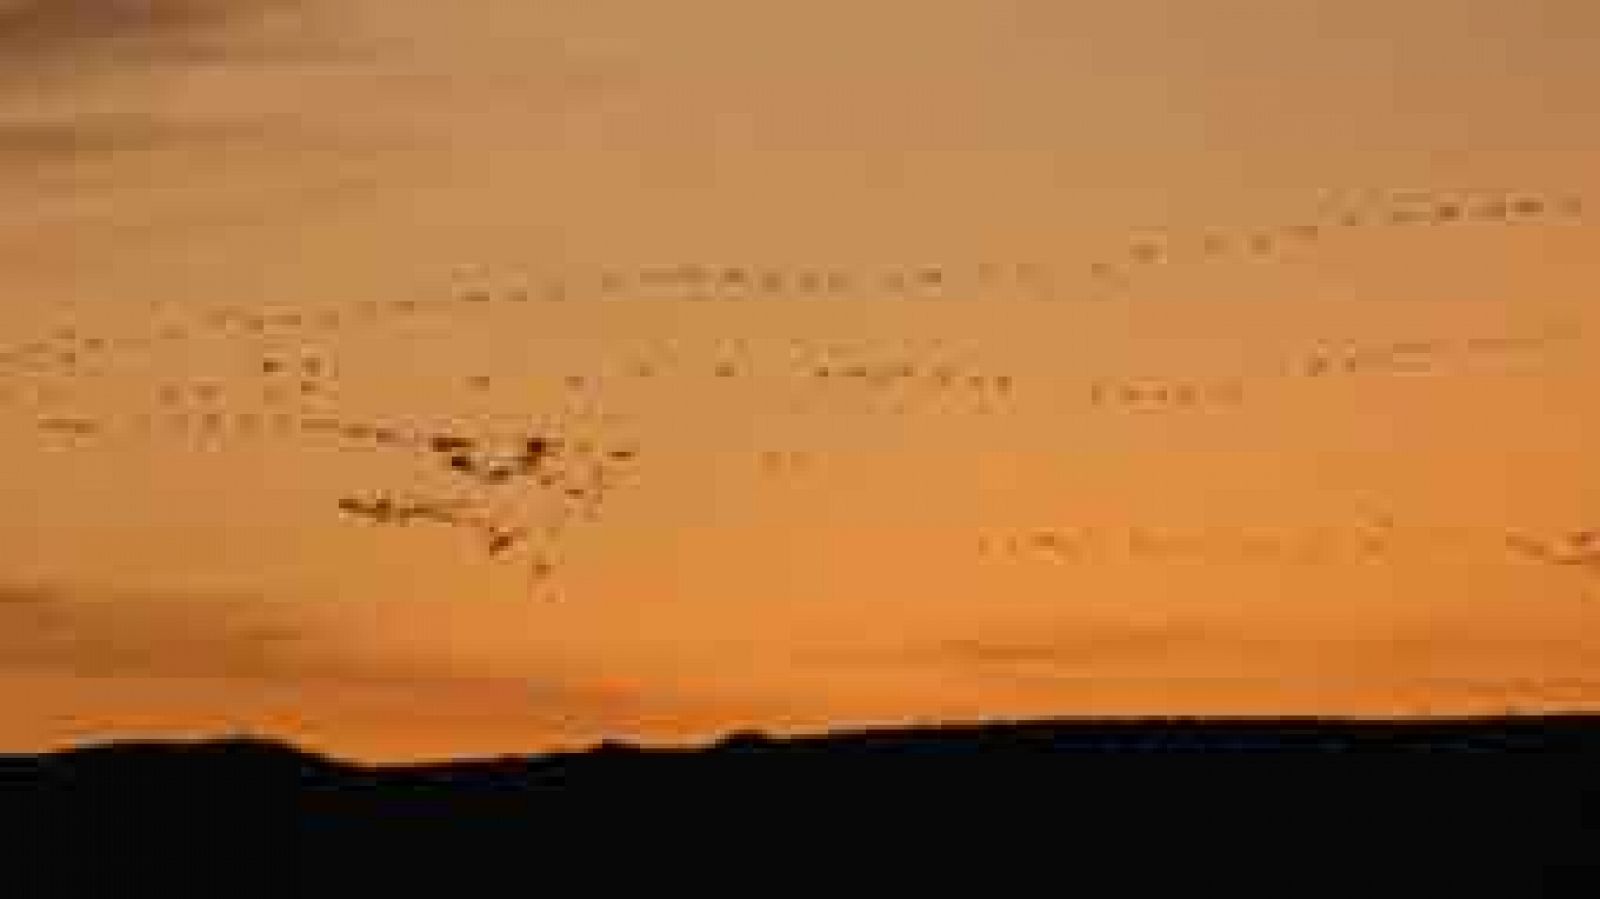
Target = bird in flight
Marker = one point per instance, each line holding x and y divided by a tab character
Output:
1581	549
386	509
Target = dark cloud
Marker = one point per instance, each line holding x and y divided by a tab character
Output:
1108	644
38	141
1090	647
65	63
86	32
44	630
1439	646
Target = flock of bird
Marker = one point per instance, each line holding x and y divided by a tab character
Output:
1365	540
1146	248
1429	355
1577	550
292	393
1147	394
559	482
68	352
575	474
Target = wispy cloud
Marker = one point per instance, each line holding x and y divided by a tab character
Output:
57	631
82	633
28	143
71	70
94	34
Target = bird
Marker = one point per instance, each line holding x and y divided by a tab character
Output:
1585	546
534	450
447	444
378	509
386	509
502	540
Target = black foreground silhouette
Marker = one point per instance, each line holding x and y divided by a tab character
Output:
1507	804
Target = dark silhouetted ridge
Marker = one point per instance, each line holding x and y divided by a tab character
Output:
978	746
1511	804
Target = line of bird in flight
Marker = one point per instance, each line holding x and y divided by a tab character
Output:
467	458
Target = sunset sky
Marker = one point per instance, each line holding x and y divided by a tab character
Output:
948	359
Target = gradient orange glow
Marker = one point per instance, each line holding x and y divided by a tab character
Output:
794	552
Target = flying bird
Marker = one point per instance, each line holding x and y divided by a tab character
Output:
386	509
448	444
502	540
1581	549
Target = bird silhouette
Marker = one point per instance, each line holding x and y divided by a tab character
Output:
387	509
535	449
561	471
502	540
1580	549
449	445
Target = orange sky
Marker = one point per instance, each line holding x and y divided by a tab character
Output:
1149	443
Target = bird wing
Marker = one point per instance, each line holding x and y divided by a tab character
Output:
1543	552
